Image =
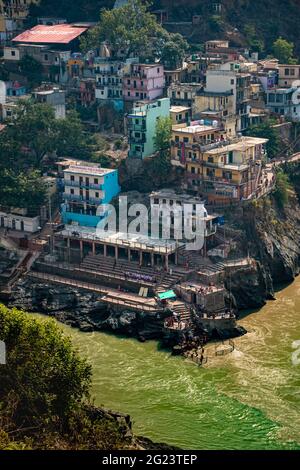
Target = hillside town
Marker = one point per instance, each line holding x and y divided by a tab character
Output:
86	120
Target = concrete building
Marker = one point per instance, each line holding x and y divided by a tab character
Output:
16	9
287	75
189	141
87	191
180	114
141	123
226	173
166	202
183	94
227	78
213	106
109	79
8	27
143	82
285	102
17	219
54	97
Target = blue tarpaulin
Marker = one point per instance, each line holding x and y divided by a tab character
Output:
170	294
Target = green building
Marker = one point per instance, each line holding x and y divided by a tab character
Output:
141	127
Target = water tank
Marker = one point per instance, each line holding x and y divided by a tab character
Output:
215	123
201	122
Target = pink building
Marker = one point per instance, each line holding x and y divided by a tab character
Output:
143	82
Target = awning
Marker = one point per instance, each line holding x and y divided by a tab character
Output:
170	294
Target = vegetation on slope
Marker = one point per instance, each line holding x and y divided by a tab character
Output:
45	391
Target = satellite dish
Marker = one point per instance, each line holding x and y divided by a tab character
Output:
2	92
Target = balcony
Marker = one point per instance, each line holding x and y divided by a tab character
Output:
137	140
72	197
77	184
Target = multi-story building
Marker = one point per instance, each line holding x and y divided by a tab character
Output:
183	94
227	78
189	142
109	78
54	97
225	172
285	102
167	204
288	74
143	82
8	26
220	106
87	191
180	114
141	123
87	92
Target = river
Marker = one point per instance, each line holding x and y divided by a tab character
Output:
249	399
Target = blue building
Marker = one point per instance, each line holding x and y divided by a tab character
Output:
87	190
15	89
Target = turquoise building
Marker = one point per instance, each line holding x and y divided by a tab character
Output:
141	123
87	191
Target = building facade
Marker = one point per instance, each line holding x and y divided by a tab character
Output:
87	191
141	124
143	82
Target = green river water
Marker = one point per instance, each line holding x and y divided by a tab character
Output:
249	399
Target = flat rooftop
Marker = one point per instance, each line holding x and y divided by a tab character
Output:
179	109
243	144
198	129
125	240
88	170
172	194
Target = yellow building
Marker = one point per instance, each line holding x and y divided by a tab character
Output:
188	142
180	114
230	172
218	106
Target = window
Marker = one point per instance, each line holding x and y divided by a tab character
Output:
176	138
97	194
13	53
186	140
193	170
72	178
72	191
156	201
292	71
46	56
137	94
128	82
210	159
142	83
232	81
164	201
95	180
286	72
137	134
158	70
128	93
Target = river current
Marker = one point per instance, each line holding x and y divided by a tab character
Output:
248	399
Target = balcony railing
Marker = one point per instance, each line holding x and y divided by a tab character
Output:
77	184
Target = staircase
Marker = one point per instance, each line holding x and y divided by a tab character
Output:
182	309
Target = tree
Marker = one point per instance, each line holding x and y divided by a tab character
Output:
31	68
35	133
173	51
266	131
45	391
25	190
163	132
283	50
160	164
132	31
282	188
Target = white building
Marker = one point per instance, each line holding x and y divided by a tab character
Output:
16	219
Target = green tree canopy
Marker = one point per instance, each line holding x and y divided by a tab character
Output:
45	390
282	188
132	31
283	50
266	131
163	131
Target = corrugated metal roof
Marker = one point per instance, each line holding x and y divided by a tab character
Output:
56	34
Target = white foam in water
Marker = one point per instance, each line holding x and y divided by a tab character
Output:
296	354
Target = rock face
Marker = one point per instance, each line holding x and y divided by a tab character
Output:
272	238
84	310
